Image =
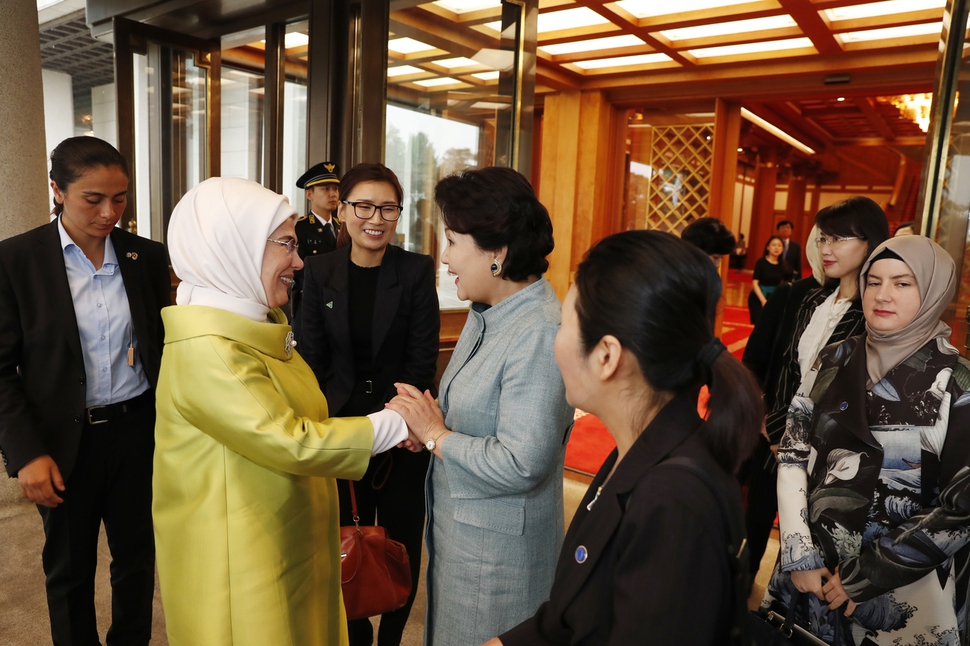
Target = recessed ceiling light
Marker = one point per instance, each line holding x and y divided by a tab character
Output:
465	6
872	9
403	70
408	46
752	48
730	28
569	19
491	105
435	82
560	20
648	8
486	76
295	39
592	45
923	29
841	98
623	61
457	62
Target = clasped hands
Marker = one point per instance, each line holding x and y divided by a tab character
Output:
825	586
422	415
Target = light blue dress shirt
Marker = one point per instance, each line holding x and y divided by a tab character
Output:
104	325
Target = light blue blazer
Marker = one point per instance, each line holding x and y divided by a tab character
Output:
494	502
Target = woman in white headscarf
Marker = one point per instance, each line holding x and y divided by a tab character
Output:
245	503
874	467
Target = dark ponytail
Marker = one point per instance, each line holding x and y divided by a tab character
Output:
658	296
75	156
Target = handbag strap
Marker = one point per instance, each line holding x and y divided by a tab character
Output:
353	504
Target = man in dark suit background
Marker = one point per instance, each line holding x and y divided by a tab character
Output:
316	231
80	349
792	255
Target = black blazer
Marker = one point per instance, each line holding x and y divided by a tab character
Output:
42	379
656	567
405	329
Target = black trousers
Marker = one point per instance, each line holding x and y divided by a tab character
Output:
397	504
111	482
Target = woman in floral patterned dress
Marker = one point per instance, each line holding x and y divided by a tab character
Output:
874	467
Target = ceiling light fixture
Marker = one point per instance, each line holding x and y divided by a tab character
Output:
776	131
466	6
649	8
435	82
593	45
753	48
904	31
561	20
736	27
623	61
915	107
461	61
403	70
888	8
408	46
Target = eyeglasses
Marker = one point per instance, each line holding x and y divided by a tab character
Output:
834	241
291	244
365	210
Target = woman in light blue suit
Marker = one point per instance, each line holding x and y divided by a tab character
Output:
494	487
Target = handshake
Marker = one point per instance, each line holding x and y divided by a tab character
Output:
426	423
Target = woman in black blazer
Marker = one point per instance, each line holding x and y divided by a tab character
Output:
370	319
649	557
80	347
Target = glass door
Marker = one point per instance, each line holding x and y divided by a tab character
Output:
168	87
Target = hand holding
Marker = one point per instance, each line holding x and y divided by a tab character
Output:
810	581
836	595
38	479
420	411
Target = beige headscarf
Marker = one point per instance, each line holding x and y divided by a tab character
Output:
936	279
216	240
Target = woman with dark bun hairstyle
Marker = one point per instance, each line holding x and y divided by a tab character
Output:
648	558
494	487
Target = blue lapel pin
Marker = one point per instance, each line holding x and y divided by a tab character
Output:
581	554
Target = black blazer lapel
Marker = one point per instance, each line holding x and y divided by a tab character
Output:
593	530
51	258
388	299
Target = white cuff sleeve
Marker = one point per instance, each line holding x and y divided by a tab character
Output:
389	430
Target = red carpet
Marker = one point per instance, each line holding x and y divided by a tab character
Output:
589	445
590	442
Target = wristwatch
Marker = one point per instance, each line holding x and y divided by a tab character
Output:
433	442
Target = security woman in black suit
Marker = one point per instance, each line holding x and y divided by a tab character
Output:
80	346
648	555
370	319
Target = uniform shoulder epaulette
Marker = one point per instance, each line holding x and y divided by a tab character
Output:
301	218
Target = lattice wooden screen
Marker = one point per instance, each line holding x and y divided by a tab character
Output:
669	189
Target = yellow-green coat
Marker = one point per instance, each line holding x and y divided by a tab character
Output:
245	505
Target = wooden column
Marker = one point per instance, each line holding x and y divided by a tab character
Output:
578	172
724	177
763	207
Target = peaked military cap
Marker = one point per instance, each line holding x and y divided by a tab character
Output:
322	173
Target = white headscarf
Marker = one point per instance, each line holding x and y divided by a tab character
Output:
216	240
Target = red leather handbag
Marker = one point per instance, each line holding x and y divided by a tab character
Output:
375	572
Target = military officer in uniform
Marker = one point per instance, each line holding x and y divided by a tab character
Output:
317	231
